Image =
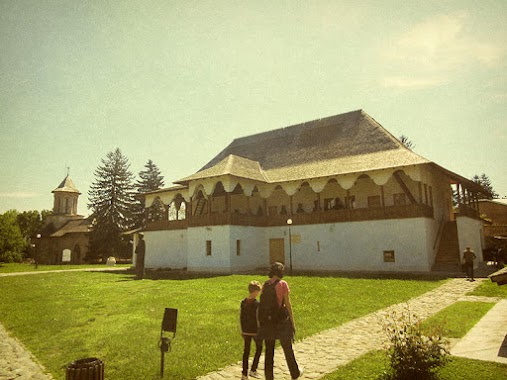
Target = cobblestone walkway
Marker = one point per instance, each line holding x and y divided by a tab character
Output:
318	355
323	353
16	362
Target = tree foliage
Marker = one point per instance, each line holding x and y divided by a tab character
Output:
12	243
30	223
111	202
406	142
13	224
485	182
150	179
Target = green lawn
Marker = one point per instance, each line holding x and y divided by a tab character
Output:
62	317
371	366
456	320
453	322
490	289
17	267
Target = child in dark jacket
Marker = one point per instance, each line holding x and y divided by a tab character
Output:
248	319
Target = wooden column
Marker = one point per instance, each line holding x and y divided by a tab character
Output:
227	202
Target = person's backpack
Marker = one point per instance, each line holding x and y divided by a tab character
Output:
270	313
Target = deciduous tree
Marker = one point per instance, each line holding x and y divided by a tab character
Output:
30	223
12	243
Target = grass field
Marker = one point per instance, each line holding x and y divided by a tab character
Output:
62	317
17	267
454	322
371	366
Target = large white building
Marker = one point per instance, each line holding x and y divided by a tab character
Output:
358	200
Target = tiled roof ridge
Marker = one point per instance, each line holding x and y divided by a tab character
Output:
67	185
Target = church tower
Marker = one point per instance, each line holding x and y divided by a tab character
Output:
64	204
65	198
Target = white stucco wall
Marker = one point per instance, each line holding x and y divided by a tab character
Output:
353	246
469	235
220	259
361	245
254	252
166	249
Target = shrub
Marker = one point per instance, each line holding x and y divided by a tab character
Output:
412	354
10	257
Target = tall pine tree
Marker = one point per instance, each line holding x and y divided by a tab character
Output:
150	179
485	182
111	200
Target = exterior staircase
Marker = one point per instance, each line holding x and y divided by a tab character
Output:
201	204
448	255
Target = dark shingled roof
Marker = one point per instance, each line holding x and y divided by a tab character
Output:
346	143
67	185
72	227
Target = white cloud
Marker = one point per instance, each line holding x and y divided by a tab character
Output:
411	82
18	194
434	50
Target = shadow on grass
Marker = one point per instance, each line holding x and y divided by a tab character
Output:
182	274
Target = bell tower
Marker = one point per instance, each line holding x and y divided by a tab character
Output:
65	198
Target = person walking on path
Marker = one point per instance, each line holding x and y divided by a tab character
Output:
276	321
468	258
140	253
248	320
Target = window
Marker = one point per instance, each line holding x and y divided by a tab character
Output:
156	211
182	212
328	203
173	213
389	256
208	247
374	201
238	247
351	201
399	199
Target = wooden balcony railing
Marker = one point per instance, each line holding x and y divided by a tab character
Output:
167	225
330	216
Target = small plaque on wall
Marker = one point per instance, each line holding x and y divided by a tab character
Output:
389	256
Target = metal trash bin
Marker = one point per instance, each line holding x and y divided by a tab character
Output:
85	369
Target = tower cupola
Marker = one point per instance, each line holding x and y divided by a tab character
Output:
65	198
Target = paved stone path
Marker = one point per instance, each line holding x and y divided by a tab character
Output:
323	353
318	355
16	362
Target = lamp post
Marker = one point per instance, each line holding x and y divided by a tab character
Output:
37	248
289	223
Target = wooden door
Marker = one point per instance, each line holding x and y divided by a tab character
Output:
276	250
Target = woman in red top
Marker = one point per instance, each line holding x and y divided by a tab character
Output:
284	329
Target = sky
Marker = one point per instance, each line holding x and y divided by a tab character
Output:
177	81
